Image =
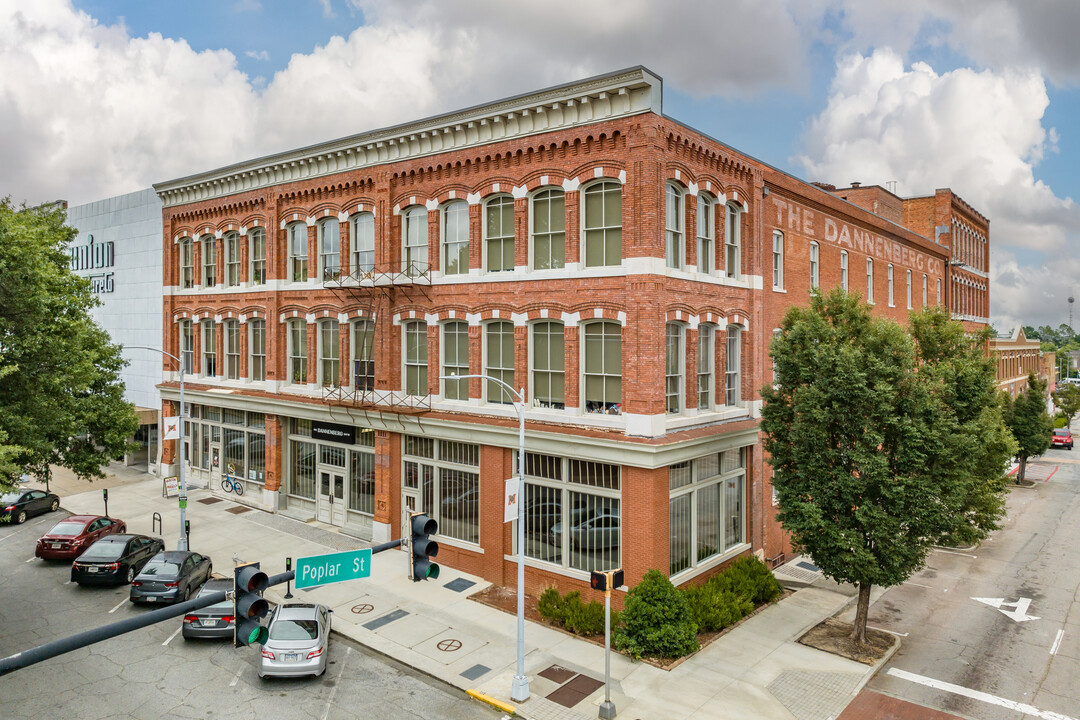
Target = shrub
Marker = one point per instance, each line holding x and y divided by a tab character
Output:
656	620
572	614
714	609
754	580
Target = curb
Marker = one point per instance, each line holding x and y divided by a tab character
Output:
505	707
876	667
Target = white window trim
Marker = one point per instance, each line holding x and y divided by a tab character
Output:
532	227
815	266
778	260
892	297
443	242
844	269
674	257
531	354
582	227
706	210
681	365
484	257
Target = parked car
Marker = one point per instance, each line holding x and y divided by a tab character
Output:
115	559
599	532
18	505
1062	437
299	641
71	537
216	621
171	576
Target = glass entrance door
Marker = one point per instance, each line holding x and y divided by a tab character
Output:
416	488
331	500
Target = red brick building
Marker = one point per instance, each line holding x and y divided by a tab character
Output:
623	269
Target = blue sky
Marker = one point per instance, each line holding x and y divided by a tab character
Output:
103	97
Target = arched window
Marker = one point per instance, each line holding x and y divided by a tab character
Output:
187	264
777	260
232	349
674	381
891	302
455	352
455	238
548	365
844	269
329	353
673	224
187	346
329	249
706	376
602	369
870	280
297	340
363	243
908	289
257	350
548	229
924	289
602	225
414	241
499	234
733	241
257	256
706	232
298	257
232	259
499	361
209	348
815	274
363	355
733	376
416	358
209	260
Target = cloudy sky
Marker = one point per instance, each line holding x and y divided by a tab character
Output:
99	97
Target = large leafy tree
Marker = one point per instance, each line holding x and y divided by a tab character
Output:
1067	400
61	397
1030	423
868	432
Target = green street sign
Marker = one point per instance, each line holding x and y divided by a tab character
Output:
332	567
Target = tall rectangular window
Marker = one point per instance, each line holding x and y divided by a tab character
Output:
499	234
363	247
549	229
298	255
363	354
257	348
844	269
232	259
455	348
924	289
706	232
602	376
209	348
673	224
187	346
869	280
499	361
303	469
330	249
908	289
455	235
297	352
416	359
414	240
209	260
733	380
232	349
673	373
447	475
548	361
603	223
815	276
329	353
187	264
257	256
777	260
733	241
890	278
705	360
705	511
939	291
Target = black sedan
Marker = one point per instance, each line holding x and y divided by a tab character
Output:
171	576
115	559
18	505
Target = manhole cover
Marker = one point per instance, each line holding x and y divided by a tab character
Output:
449	645
362	608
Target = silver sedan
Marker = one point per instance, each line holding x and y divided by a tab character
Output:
299	641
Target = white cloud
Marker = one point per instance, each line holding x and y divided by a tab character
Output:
258	55
1033	294
979	133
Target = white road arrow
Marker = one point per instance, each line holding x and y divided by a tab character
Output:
1019	613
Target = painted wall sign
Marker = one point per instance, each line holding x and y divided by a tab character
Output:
95	256
792	217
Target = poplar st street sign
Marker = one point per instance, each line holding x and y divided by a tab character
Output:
332	567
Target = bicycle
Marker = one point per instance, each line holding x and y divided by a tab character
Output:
231	484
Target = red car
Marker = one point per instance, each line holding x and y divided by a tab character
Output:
72	536
1062	438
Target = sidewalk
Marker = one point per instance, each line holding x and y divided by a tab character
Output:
754	671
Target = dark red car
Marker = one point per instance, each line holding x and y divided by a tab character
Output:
70	537
1062	438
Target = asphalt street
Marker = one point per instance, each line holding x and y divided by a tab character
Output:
993	632
154	673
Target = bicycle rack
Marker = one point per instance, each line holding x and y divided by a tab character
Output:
156	522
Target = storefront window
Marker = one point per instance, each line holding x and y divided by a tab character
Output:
449	484
705	510
303	471
362	482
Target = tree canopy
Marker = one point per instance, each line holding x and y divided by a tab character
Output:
882	442
1067	400
61	397
1029	422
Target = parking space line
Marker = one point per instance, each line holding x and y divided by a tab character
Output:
236	677
333	690
175	633
1057	642
118	606
31	560
953	552
920	585
977	695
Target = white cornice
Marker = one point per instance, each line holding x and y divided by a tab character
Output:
605	97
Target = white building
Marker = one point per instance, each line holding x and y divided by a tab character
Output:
119	248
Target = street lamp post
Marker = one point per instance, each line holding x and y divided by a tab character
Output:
182	543
519	690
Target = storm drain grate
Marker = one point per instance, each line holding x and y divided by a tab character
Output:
385	619
238	510
459	585
209	501
476	671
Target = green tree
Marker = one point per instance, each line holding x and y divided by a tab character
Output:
656	620
61	397
866	442
1030	423
1031	333
1067	400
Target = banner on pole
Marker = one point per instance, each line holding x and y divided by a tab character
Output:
172	428
510	506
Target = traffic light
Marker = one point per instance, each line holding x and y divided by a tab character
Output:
422	547
249	607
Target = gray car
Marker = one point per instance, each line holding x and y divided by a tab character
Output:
171	576
299	641
216	621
